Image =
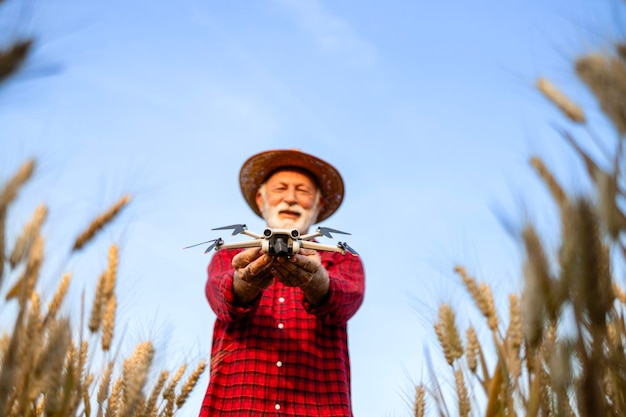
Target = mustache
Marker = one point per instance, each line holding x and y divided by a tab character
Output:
283	206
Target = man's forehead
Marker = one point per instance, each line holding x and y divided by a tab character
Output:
287	173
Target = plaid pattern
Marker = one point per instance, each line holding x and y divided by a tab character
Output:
280	356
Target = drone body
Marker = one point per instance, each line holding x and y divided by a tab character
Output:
278	242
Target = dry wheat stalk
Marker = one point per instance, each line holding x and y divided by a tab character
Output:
13	58
462	394
481	294
489	307
606	77
150	407
108	323
112	270
99	222
26	239
9	192
190	384
23	174
471	349
556	96
555	188
99	303
103	388
115	398
51	363
448	335
419	405
537	288
3	215
55	304
135	374
169	392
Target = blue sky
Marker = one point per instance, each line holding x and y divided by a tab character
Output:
428	109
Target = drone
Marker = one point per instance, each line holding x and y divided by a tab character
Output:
278	242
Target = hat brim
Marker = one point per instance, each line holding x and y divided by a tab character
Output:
258	168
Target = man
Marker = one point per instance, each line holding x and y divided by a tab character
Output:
280	341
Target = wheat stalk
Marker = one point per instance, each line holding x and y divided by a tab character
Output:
99	222
189	385
552	93
30	232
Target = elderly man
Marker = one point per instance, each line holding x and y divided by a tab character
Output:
280	340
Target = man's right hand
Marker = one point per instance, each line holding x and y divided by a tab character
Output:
252	274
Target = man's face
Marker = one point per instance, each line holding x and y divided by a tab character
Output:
289	199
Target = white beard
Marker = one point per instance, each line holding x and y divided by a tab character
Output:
305	219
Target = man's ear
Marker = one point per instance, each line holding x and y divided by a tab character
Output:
259	200
320	204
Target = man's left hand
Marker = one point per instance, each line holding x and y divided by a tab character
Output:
303	270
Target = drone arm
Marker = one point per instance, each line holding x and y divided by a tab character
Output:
318	246
238	245
252	234
311	235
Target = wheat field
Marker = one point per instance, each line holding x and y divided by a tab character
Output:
562	352
46	366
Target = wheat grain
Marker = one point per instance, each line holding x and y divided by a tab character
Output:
606	78
115	398
537	287
553	186
471	348
169	392
489	308
462	394
55	304
12	187
103	387
25	240
99	303
419	406
150	408
448	335
99	222
556	96
108	323
111	270
189	385
135	375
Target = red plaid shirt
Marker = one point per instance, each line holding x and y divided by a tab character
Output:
280	356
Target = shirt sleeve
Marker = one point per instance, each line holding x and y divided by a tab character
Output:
346	289
219	288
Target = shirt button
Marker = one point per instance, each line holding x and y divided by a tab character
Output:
277	406
279	364
281	299
281	325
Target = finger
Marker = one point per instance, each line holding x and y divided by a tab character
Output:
300	262
260	265
242	259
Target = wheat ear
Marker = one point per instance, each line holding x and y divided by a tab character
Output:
99	222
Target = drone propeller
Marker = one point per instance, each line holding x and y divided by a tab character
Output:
237	228
217	241
213	241
344	245
326	231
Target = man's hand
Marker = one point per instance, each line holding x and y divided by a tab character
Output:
303	270
252	274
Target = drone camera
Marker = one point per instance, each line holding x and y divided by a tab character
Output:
295	233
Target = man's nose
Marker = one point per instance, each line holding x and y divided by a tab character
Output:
291	197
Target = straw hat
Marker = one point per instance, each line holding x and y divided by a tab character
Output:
259	167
